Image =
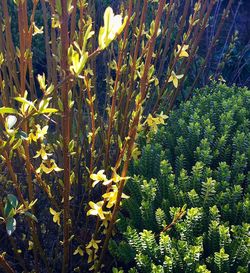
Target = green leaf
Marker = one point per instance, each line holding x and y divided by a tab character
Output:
24	101
113	26
21	134
59	7
43	104
49	110
7	110
10	225
31	216
50	89
89	33
13	200
8	210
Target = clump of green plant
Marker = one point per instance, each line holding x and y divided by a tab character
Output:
190	195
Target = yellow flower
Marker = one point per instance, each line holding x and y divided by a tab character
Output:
161	118
136	153
100	176
78	251
96	209
112	196
151	122
1	58
37	30
44	155
31	244
154	122
140	127
49	166
105	222
93	244
55	21
39	134
113	26
32	137
174	78
117	178
92	255
221	79
56	216
107	182
182	51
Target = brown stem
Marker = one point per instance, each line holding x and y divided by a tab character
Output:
116	85
164	32
66	135
177	217
25	44
133	69
5	265
213	43
197	37
174	58
47	45
19	258
93	125
73	21
10	46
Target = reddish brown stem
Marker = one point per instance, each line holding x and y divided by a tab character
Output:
116	85
133	69
66	135
5	265
213	43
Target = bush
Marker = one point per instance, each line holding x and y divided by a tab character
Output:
199	162
67	134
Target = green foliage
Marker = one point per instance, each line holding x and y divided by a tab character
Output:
11	210
200	158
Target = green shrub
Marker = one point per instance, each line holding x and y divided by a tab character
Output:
201	159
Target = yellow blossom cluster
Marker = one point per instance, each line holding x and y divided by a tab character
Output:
110	196
38	134
97	209
153	122
56	216
47	165
92	249
181	52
